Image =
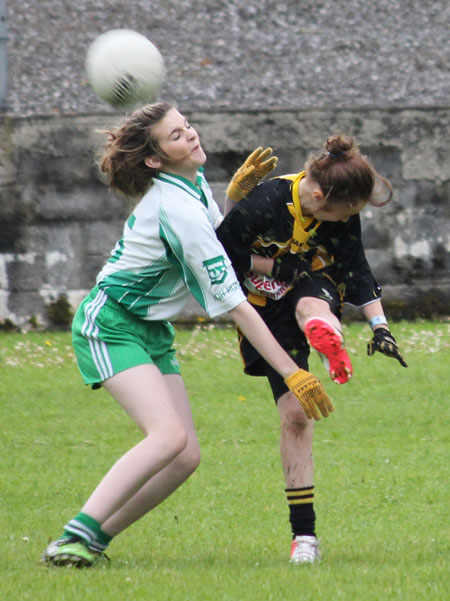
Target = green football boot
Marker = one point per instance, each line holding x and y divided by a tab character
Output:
69	552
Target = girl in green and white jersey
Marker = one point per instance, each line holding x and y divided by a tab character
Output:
122	334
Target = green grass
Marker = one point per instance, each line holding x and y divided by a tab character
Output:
381	478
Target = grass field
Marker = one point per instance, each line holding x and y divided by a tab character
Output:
381	478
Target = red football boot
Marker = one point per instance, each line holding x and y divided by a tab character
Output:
329	343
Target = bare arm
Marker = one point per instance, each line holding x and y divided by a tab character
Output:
263	265
255	330
372	310
229	204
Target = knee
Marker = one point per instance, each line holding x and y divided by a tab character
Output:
174	440
188	460
305	307
295	422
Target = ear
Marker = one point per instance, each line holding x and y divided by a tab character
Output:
318	199
153	162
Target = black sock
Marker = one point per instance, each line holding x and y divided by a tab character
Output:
301	511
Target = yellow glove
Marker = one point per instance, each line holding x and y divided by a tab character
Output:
310	393
258	164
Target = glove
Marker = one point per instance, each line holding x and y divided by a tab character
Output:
258	164
290	268
385	343
310	394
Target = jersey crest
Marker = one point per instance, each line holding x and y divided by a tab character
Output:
217	269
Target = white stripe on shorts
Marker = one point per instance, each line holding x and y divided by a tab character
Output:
90	330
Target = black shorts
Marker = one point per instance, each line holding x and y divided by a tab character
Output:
280	318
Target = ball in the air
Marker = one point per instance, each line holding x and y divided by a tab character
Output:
124	68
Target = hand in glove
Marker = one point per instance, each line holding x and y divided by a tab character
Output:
258	164
385	343
310	394
290	268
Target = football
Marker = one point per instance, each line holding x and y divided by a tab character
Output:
124	68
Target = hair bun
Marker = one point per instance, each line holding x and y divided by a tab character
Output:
339	147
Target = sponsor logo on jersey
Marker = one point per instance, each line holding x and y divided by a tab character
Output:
265	285
223	293
216	268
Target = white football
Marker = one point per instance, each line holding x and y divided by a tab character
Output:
124	68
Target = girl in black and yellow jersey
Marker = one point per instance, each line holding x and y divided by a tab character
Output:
295	243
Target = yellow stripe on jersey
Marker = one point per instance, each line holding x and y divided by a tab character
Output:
300	235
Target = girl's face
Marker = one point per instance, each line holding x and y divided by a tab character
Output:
315	204
338	212
181	144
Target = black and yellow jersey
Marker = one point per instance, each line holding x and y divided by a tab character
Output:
269	223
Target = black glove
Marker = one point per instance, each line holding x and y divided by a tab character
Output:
385	343
290	268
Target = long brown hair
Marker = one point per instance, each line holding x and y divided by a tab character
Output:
345	175
127	147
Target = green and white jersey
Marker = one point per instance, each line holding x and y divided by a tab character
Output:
169	249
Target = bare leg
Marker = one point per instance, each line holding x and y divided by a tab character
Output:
297	461
324	333
309	307
143	393
166	481
295	443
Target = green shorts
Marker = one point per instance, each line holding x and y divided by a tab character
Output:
108	339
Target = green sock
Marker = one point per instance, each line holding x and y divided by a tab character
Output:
101	542
104	538
84	527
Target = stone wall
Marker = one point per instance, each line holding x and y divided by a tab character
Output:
58	221
248	72
234	54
